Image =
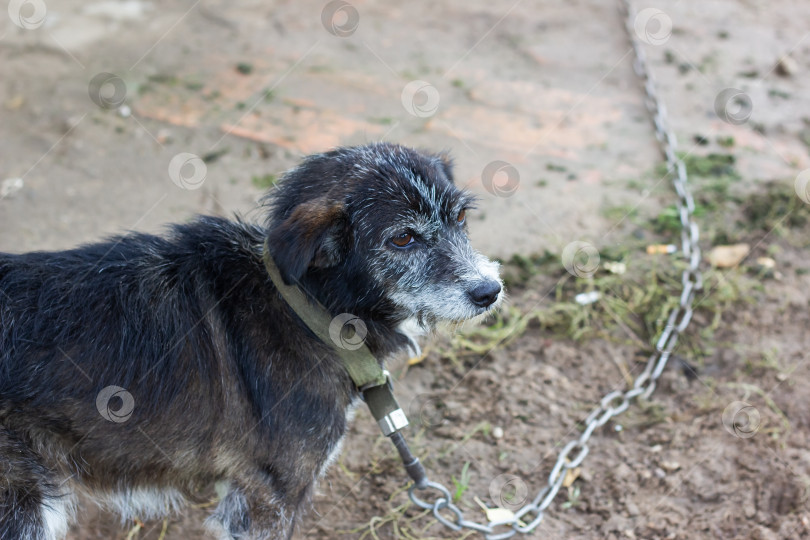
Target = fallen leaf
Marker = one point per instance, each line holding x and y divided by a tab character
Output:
570	476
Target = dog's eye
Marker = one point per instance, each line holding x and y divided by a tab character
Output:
462	217
403	240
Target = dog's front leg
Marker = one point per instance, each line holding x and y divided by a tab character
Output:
256	513
32	505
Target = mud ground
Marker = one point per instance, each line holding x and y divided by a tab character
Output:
250	87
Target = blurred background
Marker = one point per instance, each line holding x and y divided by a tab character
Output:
127	115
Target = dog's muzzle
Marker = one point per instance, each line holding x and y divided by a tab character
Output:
485	293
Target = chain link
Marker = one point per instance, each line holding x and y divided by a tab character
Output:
615	402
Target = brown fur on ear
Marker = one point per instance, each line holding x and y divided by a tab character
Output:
313	235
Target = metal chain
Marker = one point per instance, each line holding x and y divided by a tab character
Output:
573	454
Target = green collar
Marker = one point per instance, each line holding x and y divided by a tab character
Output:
365	371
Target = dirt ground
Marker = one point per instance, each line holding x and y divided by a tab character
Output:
98	99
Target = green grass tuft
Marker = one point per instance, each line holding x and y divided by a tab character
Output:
265	181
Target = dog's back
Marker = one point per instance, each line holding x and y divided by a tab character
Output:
92	337
122	300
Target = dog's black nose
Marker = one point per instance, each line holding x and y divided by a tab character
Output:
485	293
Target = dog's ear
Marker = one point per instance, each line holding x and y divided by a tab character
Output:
446	164
314	235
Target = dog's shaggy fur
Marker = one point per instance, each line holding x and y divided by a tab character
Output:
144	369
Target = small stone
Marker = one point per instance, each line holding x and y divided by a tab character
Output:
617	268
728	256
766	266
10	186
659	473
787	66
124	111
497	432
670	465
583	299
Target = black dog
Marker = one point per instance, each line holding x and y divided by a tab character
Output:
143	369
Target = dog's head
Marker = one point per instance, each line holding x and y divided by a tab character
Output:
381	228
